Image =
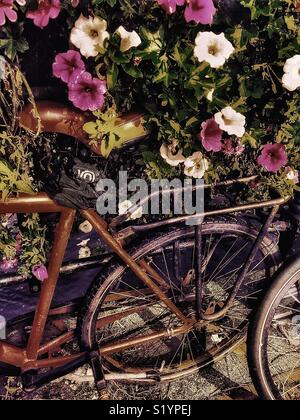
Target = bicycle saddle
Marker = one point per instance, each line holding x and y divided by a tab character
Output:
65	119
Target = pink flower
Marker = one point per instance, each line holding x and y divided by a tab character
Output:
292	174
6	265
87	93
273	157
211	136
75	3
40	272
18	242
170	5
240	148
68	66
228	147
200	11
47	9
6	11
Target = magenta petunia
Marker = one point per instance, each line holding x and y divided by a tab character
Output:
230	149
40	272
200	11
6	11
68	66
170	5
7	265
47	9
211	136
273	157
87	93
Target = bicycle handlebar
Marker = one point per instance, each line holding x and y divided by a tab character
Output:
64	119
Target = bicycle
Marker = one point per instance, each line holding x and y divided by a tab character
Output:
274	334
169	306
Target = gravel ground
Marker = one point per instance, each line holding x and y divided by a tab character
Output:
227	379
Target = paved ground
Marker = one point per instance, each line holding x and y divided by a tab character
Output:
227	379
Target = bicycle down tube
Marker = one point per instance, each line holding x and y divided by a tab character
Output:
27	359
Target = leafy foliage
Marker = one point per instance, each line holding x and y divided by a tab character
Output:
163	77
15	175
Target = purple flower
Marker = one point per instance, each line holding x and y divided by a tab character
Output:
200	11
68	66
6	11
87	93
211	136
273	157
47	9
40	272
170	5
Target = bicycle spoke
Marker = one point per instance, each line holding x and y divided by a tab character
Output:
152	337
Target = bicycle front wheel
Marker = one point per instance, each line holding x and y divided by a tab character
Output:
140	338
274	339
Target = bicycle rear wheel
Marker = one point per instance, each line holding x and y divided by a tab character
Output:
274	339
120	314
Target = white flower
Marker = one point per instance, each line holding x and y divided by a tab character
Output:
196	165
291	78
85	227
125	206
231	121
171	154
212	48
89	35
84	243
209	95
128	39
292	174
21	2
84	252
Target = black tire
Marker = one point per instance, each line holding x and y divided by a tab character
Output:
221	226
261	336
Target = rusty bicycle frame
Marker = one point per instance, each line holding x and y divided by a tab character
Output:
29	359
36	354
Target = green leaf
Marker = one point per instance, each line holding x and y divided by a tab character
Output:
112	76
133	71
91	129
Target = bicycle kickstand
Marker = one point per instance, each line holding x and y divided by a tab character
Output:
96	364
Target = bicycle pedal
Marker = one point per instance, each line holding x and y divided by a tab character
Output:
29	380
97	368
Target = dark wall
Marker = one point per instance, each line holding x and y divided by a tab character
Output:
44	44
